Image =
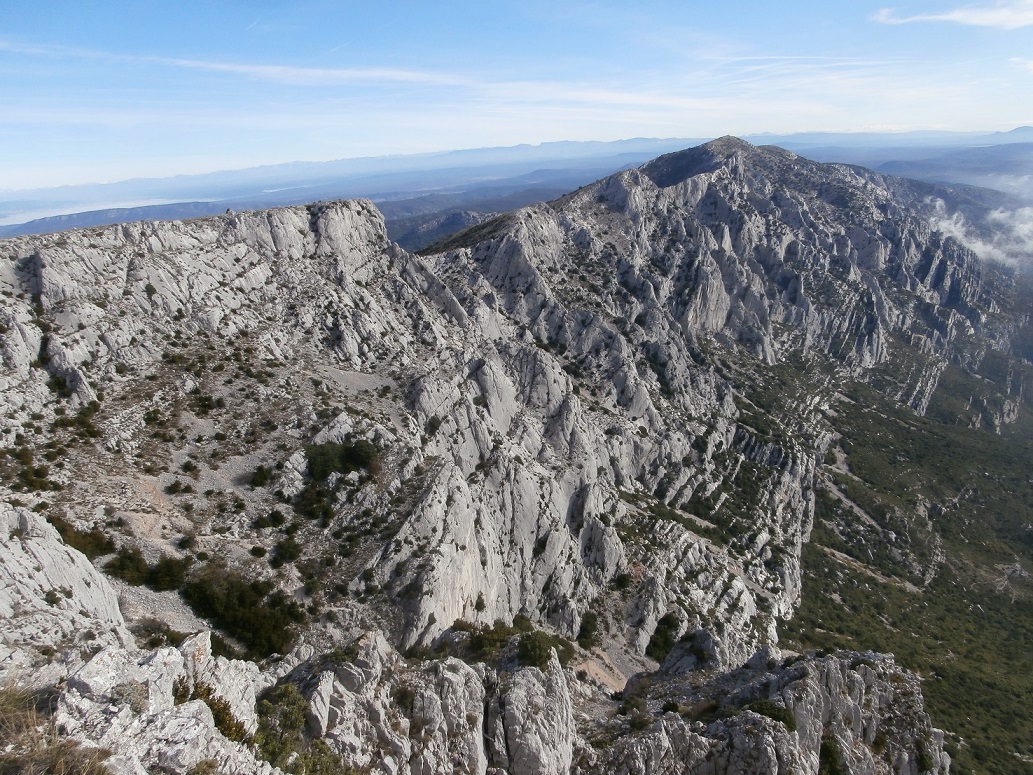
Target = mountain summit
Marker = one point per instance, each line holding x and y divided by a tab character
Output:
538	500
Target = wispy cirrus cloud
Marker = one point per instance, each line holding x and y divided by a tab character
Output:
284	74
711	79
1006	15
317	76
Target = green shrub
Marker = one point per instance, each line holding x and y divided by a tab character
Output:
261	477
281	721
622	581
404	696
168	573
285	551
228	724
82	422
924	759
830	760
154	633
93	542
281	738
663	638
775	712
313	502
244	609
32	477
535	649
587	635
128	565
275	518
487	642
639	720
59	385
329	458
187	542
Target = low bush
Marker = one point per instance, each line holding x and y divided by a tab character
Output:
329	458
261	477
621	581
81	422
154	634
275	518
313	502
166	574
830	759
535	649
93	542
775	712
281	738
285	551
587	635
663	638
486	642
244	609
228	724
128	565
222	712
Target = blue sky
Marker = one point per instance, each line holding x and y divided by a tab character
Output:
102	91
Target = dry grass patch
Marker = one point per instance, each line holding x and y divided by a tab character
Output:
30	744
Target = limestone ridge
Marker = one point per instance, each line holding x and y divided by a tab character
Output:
582	419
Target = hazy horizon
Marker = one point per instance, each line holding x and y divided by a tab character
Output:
119	91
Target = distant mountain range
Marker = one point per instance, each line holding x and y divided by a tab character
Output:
416	189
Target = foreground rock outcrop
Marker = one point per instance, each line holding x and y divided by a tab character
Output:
372	708
54	605
846	712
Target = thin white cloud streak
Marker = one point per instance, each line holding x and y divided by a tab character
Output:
1012	15
284	74
316	76
703	88
704	74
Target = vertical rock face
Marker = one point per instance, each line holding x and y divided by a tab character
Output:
537	719
53	603
601	416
